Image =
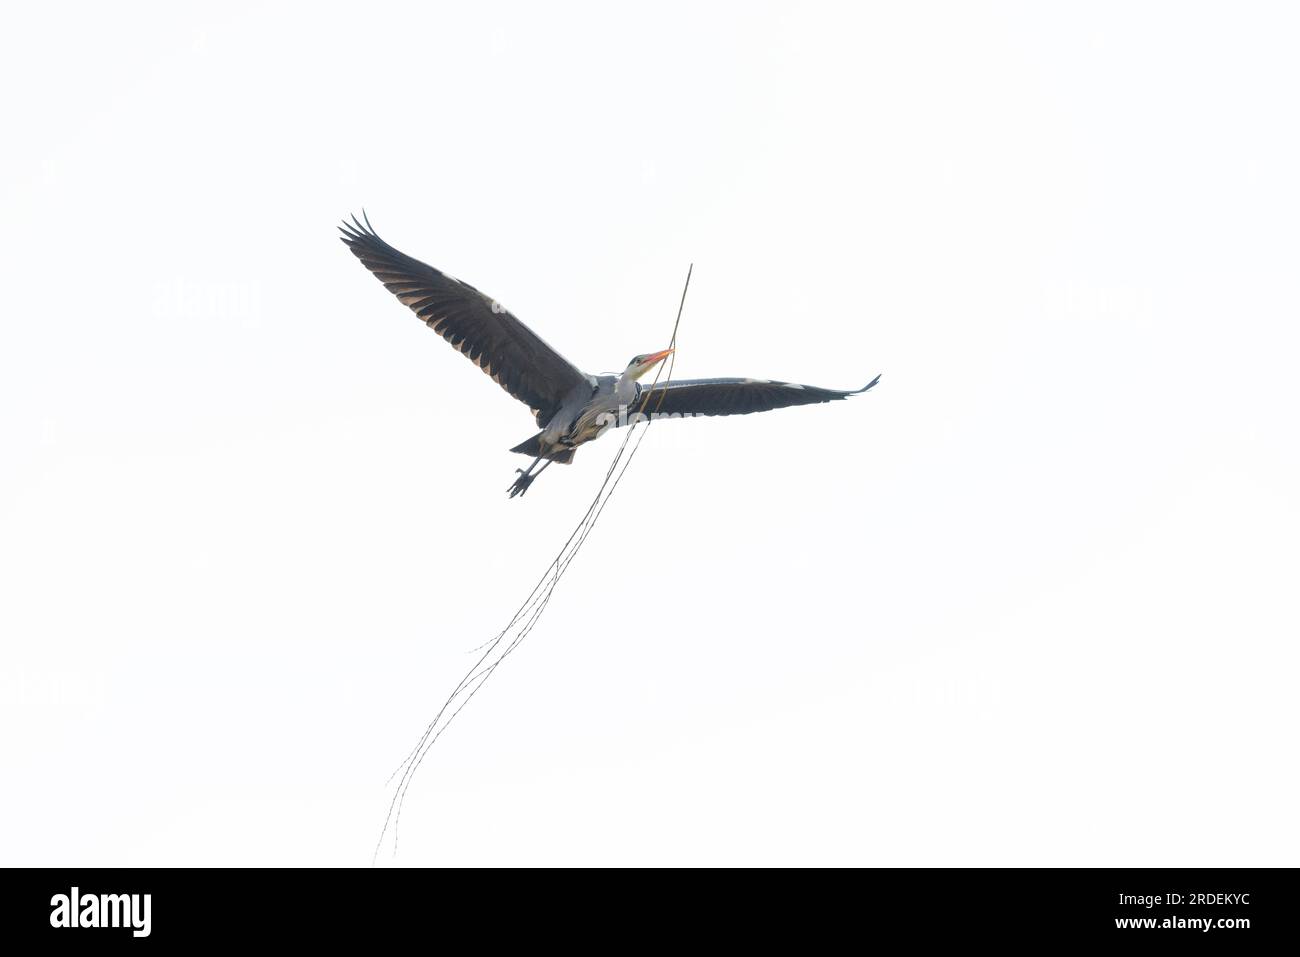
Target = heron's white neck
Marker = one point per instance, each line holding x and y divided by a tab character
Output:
625	387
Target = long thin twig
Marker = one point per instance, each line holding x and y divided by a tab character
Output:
530	611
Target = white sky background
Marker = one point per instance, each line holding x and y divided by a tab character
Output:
1031	601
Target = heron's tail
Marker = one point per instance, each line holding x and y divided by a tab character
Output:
533	446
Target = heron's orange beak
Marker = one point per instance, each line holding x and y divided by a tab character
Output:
658	357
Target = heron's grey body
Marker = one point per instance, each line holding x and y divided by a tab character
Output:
584	414
570	406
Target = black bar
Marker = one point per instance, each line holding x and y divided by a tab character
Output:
623	908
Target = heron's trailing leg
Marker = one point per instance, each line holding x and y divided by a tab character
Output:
526	478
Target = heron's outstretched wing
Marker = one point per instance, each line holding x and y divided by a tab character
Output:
733	396
512	354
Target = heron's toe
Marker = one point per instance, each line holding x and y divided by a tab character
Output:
521	484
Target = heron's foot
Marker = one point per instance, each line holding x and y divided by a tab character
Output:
521	483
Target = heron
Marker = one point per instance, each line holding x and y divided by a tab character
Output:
571	407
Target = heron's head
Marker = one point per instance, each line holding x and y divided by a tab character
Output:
640	365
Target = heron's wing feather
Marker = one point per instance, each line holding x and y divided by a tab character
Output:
734	396
512	354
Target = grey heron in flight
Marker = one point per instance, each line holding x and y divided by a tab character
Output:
570	406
